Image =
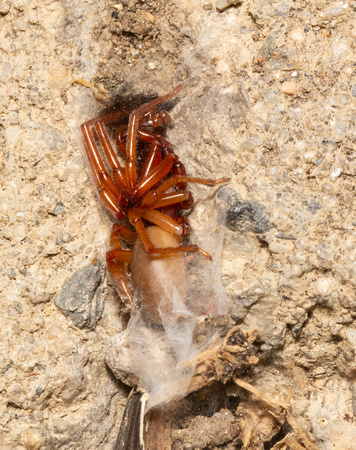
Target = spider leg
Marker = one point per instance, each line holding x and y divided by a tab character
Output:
117	258
155	175
108	191
156	194
121	129
183	199
118	272
153	159
179	169
125	233
148	136
114	115
165	222
110	154
172	198
120	139
160	219
135	116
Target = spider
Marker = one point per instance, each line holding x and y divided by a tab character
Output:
151	188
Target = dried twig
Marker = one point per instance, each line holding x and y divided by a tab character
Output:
279	409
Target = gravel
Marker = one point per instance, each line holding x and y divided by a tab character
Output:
269	103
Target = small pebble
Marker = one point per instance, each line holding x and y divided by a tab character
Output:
207	5
283	8
80	297
333	11
335	172
351	336
5	8
53	138
32	439
22	25
324	286
59	209
148	16
297	35
246	216
280	246
119	7
340	48
347	70
252	142
221	5
289	88
309	156
11	274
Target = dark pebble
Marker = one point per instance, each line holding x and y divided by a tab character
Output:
81	297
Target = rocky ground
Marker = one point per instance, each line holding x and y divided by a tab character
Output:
269	101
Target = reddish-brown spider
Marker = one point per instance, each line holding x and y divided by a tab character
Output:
150	188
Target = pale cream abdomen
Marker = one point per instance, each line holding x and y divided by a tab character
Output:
159	282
